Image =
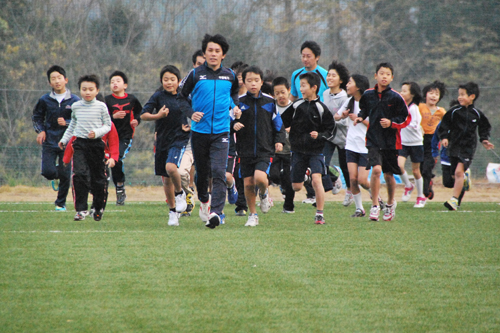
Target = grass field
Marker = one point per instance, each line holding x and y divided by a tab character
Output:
430	270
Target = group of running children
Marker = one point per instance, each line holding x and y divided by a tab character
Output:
233	120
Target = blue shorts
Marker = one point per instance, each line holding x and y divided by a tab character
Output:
249	165
415	152
360	159
300	163
174	155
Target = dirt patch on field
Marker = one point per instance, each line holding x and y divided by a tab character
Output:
481	191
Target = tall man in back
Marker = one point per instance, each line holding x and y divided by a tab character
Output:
214	90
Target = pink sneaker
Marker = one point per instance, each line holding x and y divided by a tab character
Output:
374	213
420	202
407	193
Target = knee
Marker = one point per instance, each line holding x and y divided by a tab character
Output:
170	168
376	171
296	187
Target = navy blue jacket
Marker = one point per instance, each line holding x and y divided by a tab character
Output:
211	93
45	115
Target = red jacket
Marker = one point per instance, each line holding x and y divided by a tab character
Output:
111	146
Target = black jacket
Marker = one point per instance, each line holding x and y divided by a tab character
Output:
459	126
263	126
303	117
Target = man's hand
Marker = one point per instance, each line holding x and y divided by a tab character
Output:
91	135
314	135
238	126
197	116
61	121
134	123
163	112
444	143
488	145
278	146
40	138
385	123
110	163
61	145
237	112
119	115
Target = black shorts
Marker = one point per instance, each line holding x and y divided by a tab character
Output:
173	155
454	162
248	165
300	163
387	158
415	152
360	159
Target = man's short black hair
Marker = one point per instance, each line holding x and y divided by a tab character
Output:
120	74
252	69
89	78
312	78
415	91
198	53
313	46
436	85
280	80
471	88
385	65
56	68
361	81
342	71
170	69
217	39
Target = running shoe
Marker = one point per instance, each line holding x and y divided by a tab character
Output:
319	219
205	210
337	186
420	202
60	208
452	204
348	199
374	213
97	215
240	212
407	193
253	220
467	180
180	202
120	196
80	216
213	221
173	219
55	184
265	203
288	211
359	213
390	211
309	201
232	194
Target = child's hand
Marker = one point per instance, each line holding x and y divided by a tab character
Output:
444	143
357	120
346	113
186	127
237	112
61	145
488	145
134	123
111	163
61	121
287	129
352	116
385	123
163	112
278	146
40	138
238	126
91	135
119	115
314	135
197	116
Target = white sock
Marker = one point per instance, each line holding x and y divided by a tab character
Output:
406	179
419	183
358	201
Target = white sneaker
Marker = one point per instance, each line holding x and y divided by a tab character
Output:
390	211
374	213
420	202
173	219
349	199
309	201
253	221
180	202
407	193
205	210
214	220
265	203
337	186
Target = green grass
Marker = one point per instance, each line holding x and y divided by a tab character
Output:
429	270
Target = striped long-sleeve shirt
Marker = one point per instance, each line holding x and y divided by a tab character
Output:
87	117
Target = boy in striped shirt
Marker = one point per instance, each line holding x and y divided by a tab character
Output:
90	121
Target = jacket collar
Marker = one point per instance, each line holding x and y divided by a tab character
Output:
67	95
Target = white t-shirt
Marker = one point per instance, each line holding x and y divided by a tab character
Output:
356	135
60	97
412	134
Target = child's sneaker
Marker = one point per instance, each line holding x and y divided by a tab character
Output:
205	211
213	221
222	218
190	204
467	180
359	213
97	215
430	196
232	194
240	212
60	208
265	203
253	220
80	216
349	198
288	211
420	202
319	219
180	202
390	211
407	193
452	204
55	184
309	201
120	196
173	219
374	213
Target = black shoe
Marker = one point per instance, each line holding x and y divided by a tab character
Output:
213	221
120	196
97	215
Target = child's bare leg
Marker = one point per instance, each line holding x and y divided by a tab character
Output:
229	179
261	181
375	183
297	186
459	180
391	187
353	177
169	192
165	188
174	176
363	178
249	183
317	184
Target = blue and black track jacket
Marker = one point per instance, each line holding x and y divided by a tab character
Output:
212	93
45	115
263	126
460	126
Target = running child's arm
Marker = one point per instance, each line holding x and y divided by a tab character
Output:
484	129
401	117
106	124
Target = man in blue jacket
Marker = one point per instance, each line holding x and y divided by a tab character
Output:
51	117
214	90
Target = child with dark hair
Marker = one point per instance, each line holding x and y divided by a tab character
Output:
412	141
125	111
459	133
432	114
171	139
90	121
51	116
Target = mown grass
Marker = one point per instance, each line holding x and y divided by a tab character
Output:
429	270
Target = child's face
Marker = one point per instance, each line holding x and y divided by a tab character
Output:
58	82
465	99
213	55
88	91
432	97
281	94
170	82
406	93
309	60
384	77
199	61
117	85
253	83
351	87
307	91
333	79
